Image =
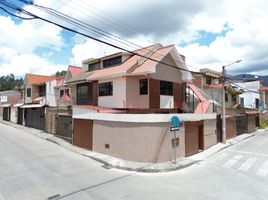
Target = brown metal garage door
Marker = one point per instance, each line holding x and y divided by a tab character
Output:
194	137
83	133
230	127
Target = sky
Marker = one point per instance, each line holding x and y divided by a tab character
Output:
209	33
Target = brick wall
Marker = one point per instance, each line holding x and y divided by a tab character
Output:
178	95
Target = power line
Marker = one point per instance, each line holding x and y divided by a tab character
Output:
100	31
99	40
23	18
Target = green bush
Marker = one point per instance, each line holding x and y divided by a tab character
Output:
263	124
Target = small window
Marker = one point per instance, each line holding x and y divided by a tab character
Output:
66	91
242	102
94	66
61	93
143	86
112	62
29	91
257	103
166	88
226	97
106	89
208	80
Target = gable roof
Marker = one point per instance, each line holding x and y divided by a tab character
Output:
35	79
74	70
132	66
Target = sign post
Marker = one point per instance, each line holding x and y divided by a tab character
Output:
175	126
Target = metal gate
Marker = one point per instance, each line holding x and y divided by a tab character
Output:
6	114
219	128
83	133
20	116
51	115
230	127
241	124
194	137
64	127
35	118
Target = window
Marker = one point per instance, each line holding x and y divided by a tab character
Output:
166	88
226	97
94	66
82	91
66	91
61	93
112	61
257	103
242	102
29	91
42	90
143	86
208	80
106	89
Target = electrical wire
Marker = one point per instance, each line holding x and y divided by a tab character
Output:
99	40
103	33
23	18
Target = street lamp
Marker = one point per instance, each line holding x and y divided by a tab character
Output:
223	101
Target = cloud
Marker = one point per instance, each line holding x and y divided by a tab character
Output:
19	41
29	63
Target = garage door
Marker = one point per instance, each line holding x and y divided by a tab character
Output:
230	127
83	133
194	137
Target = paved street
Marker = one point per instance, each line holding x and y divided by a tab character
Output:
33	168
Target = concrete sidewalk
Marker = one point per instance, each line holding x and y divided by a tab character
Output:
112	162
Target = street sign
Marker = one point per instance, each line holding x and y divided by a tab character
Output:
175	126
175	121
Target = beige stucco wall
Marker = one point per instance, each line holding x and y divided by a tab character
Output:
118	99
133	97
140	142
167	73
210	133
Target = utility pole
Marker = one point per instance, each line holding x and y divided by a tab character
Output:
223	101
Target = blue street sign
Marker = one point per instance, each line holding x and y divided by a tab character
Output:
175	121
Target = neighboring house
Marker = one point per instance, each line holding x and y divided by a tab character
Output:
251	96
7	100
264	97
34	95
127	81
208	81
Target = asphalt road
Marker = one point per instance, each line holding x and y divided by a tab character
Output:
33	168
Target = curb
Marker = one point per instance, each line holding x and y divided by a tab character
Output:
108	165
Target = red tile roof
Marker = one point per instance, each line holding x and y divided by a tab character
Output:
132	66
203	105
74	70
38	79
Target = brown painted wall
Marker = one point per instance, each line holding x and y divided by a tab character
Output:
140	142
95	93
154	93
210	133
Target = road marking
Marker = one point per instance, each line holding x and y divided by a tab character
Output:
249	153
231	162
246	165
263	170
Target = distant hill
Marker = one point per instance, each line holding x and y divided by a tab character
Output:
264	78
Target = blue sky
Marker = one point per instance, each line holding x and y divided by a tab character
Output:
208	34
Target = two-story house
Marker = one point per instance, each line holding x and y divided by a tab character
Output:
127	81
34	95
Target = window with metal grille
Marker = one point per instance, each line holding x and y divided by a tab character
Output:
94	66
112	62
29	92
166	88
106	89
143	86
